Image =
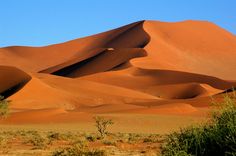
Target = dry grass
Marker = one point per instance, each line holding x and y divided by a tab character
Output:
28	142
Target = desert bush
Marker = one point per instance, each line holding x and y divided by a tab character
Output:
67	136
153	138
35	139
53	135
4	107
133	138
91	138
216	137
3	140
102	124
109	142
129	137
77	150
81	143
149	140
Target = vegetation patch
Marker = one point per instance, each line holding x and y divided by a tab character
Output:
4	107
216	137
75	151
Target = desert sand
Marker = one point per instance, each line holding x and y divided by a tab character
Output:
144	69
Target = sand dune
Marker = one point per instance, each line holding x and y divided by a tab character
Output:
147	67
48	91
97	63
36	59
191	46
11	80
156	82
38	95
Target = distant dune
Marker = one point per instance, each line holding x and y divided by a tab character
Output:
147	67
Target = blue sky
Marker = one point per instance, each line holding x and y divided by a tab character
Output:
43	22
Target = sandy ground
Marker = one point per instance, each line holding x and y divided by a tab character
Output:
124	123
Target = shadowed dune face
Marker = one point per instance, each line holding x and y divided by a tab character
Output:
116	49
144	67
11	80
100	63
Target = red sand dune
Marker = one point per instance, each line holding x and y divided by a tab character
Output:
147	67
11	80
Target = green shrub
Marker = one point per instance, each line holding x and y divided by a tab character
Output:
4	107
102	124
217	137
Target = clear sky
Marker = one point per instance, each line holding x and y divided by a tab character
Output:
43	22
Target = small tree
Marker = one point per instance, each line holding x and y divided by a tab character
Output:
4	110
102	124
